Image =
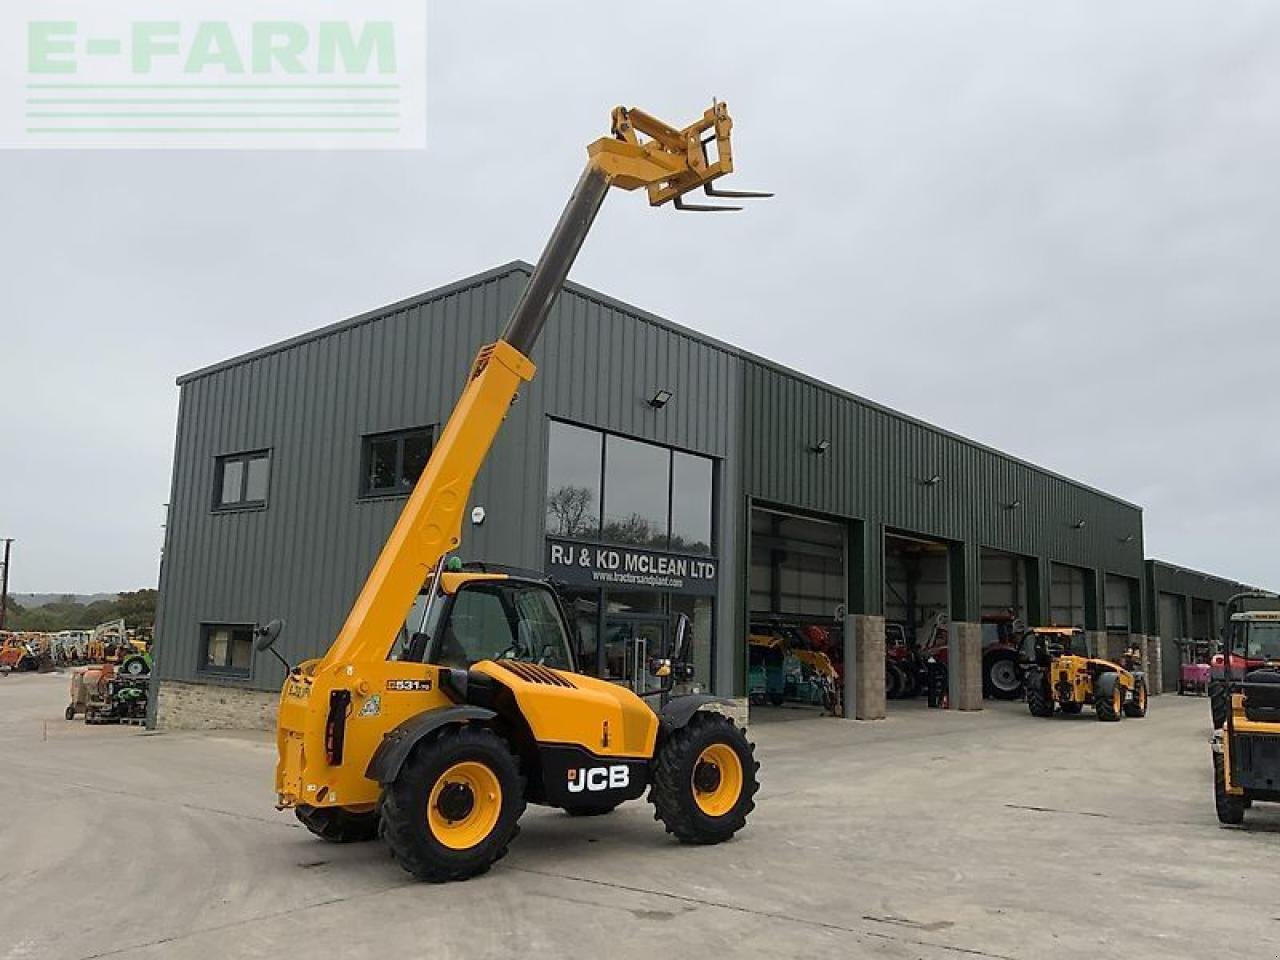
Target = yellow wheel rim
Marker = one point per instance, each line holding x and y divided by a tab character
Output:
464	805
1142	699
1119	699
717	780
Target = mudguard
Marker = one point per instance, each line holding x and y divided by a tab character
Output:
678	711
397	744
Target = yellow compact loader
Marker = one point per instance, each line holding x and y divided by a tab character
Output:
435	742
1061	673
1246	748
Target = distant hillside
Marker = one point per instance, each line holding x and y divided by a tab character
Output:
33	600
137	608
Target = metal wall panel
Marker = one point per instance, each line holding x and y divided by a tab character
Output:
877	469
311	400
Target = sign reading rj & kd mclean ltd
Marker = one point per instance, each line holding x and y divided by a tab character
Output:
596	566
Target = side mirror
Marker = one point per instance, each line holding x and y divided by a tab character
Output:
268	635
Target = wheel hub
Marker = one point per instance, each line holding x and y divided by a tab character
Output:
456	802
706	776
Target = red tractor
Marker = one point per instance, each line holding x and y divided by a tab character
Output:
1001	639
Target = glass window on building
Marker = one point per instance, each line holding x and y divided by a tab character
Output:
637	484
691	484
240	480
574	463
393	462
226	649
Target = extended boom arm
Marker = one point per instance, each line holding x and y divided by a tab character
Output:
669	164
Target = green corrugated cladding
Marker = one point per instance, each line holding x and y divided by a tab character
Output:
310	400
1190	585
876	471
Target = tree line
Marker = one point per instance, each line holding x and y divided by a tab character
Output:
137	608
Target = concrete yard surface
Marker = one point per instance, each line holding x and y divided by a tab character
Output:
929	835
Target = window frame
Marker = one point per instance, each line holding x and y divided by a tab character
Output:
597	535
224	671
367	440
219	469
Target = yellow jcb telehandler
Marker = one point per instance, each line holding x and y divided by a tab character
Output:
436	743
1061	673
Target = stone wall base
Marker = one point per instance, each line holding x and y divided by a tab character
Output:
210	706
213	706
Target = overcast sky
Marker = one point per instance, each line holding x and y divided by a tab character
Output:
1050	227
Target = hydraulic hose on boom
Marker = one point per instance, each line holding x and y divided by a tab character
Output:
642	152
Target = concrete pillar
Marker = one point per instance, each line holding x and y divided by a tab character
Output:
964	666
864	667
1155	666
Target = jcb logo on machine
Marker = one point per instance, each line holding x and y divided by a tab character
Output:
299	691
405	686
594	779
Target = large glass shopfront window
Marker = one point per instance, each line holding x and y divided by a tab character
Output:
610	489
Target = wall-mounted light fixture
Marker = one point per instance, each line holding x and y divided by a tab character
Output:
660	399
1079	524
477	515
821	447
931	481
1015	504
1129	539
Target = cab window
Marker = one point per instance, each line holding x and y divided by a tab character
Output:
501	621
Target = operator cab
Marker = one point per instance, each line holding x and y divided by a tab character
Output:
476	616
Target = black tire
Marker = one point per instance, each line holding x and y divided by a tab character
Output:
70	712
1230	809
1219	703
1136	705
833	702
672	789
406	828
1039	696
893	681
338	825
1071	708
1105	706
1001	677
134	667
597	811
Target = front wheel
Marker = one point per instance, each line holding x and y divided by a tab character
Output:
1219	703
704	780
1230	808
1136	705
1108	699
1039	696
339	824
455	806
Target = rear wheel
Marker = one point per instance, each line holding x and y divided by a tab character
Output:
1003	681
1230	809
704	780
340	824
70	712
1039	696
1108	698
455	806
894	681
1136	705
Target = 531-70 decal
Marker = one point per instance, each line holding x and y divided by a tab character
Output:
407	686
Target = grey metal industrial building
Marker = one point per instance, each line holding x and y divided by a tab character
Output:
648	468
